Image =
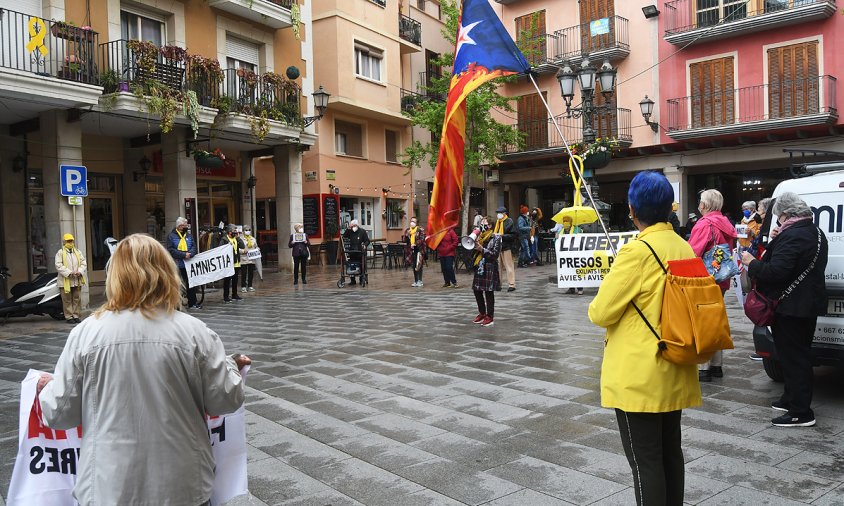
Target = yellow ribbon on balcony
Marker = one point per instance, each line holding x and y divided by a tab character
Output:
36	36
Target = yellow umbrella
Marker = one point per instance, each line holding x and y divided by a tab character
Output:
578	213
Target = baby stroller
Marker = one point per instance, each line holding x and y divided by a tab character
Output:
352	268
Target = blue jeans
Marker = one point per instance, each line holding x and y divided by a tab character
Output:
447	266
524	254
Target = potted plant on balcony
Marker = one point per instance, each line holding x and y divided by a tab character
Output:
209	159
69	30
204	77
72	68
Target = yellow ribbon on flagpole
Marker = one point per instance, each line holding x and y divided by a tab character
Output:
36	37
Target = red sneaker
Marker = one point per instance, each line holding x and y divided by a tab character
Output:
487	321
479	319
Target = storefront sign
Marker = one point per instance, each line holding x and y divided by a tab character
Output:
310	175
211	265
331	215
330	175
311	216
46	465
229	169
584	259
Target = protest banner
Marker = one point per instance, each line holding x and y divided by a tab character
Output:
46	464
253	253
584	259
211	265
741	231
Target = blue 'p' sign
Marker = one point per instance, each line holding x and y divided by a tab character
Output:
73	180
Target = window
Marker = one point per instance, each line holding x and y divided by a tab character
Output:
391	142
420	4
395	213
794	82
710	12
530	37
533	121
594	10
240	54
713	92
348	138
368	61
134	26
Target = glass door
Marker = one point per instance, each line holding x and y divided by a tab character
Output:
100	214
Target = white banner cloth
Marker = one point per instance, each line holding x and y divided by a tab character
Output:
584	259
211	265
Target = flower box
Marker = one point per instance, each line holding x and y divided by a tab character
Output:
597	160
70	32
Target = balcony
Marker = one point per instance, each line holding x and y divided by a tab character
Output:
792	104
599	39
540	137
423	87
57	63
237	96
410	30
684	24
273	13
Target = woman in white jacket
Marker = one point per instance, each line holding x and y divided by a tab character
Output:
140	378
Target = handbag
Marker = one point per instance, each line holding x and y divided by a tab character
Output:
760	309
719	261
694	318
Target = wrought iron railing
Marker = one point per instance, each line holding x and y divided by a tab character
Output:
410	29
424	87
126	64
382	3
266	94
287	4
48	48
540	49
789	99
588	38
686	15
537	135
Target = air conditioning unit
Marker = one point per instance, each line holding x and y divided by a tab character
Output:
492	176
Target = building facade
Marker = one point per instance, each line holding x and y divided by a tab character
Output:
103	84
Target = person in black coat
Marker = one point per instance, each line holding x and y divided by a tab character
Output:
358	241
299	243
239	247
796	246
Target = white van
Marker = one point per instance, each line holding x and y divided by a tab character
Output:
824	192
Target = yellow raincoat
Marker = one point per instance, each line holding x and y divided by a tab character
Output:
634	377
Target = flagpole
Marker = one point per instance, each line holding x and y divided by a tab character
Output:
576	166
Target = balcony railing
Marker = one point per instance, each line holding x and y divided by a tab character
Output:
424	89
48	48
239	90
410	30
541	135
540	49
607	35
802	102
726	18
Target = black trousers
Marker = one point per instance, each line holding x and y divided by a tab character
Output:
300	262
191	291
793	341
652	444
487	308
414	258
248	274
447	266
230	283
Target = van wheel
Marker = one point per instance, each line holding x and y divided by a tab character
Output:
773	369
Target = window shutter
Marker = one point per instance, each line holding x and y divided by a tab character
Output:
530	29
793	80
242	50
533	121
713	92
29	7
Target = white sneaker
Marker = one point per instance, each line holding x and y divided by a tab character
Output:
243	290
414	284
251	289
420	284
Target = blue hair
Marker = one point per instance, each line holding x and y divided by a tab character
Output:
650	195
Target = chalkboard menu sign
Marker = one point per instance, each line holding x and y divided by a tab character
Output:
310	215
331	215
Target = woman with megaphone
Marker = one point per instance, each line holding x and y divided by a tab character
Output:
487	247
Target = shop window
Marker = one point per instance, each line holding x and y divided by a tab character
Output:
713	92
368	61
794	82
142	26
391	141
348	138
395	213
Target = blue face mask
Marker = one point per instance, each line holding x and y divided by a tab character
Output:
746	213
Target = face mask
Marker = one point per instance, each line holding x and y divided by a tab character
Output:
412	224
298	230
247	232
484	227
499	216
746	213
354	229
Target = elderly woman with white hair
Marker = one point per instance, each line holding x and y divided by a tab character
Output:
711	229
358	241
299	243
752	221
181	246
792	270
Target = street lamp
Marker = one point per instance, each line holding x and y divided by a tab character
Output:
320	103
647	108
585	76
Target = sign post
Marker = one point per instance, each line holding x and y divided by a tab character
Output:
73	182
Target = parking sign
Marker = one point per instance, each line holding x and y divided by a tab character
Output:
73	180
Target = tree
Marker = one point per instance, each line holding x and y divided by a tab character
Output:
485	137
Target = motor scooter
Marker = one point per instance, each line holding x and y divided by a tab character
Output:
41	296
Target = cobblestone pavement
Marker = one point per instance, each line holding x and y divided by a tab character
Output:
388	395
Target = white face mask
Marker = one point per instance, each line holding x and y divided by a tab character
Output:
247	232
298	230
354	229
499	216
412	224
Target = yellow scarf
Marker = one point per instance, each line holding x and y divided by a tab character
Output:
78	262
183	242
413	236
233	242
482	239
499	225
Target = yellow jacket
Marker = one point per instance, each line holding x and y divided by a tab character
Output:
634	376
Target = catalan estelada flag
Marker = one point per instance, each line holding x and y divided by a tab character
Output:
484	51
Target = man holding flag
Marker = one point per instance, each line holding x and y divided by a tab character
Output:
483	51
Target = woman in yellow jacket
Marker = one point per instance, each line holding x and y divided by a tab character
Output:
646	391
